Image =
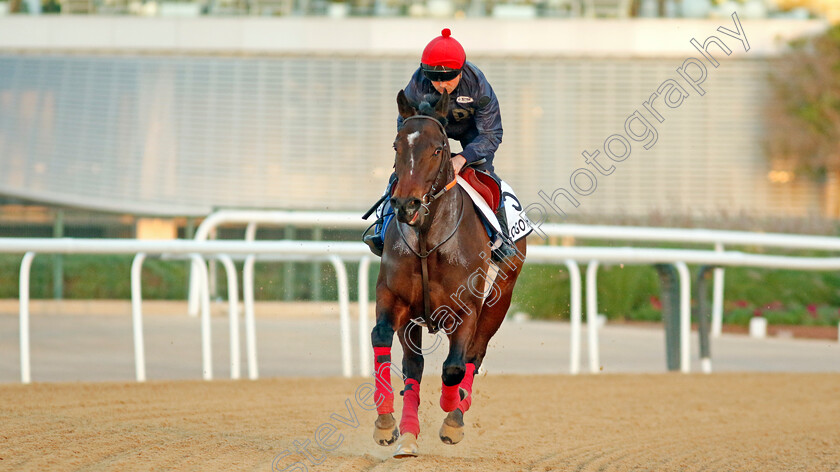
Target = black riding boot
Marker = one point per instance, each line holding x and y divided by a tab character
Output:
376	241
384	214
504	245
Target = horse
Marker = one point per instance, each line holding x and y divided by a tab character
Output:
436	272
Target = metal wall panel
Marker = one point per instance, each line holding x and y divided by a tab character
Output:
175	135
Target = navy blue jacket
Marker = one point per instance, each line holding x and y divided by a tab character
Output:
474	116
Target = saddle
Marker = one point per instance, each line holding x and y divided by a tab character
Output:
485	185
487	194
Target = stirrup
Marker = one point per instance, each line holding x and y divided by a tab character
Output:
375	244
384	213
375	240
504	251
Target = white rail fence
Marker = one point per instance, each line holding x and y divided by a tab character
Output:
338	252
718	239
680	258
253	218
195	250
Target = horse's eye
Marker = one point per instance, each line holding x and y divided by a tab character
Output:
437	151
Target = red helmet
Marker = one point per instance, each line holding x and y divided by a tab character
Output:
443	54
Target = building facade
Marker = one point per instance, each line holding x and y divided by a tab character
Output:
174	118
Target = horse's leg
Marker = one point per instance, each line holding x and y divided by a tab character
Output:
410	337
454	367
454	373
385	431
452	429
489	321
491	318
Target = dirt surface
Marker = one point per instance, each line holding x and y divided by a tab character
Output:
669	422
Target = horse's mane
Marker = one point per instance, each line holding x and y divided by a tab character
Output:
427	107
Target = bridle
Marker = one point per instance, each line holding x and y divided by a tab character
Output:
430	196
433	194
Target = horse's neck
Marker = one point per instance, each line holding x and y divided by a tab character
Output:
448	217
442	214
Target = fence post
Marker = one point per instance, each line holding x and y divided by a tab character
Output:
685	316
233	313
289	269
703	315
204	300
574	316
717	300
592	316
317	235
137	316
250	324
344	315
25	270
58	259
669	289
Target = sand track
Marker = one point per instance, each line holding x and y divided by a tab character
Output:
760	422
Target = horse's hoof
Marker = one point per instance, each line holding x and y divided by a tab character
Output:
385	437
407	447
385	431
452	429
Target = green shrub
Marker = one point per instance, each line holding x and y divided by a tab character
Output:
793	314
738	316
647	313
625	292
543	291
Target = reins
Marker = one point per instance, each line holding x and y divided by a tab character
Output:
428	198
422	239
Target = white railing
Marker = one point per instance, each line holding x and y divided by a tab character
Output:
336	252
195	250
252	218
718	238
678	257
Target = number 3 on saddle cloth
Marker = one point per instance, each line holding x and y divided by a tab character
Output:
486	193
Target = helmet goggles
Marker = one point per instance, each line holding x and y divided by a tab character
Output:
439	73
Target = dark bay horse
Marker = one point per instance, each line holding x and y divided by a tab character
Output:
436	273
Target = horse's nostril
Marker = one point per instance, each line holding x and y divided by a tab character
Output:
406	206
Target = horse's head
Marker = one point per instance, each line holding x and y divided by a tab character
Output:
422	161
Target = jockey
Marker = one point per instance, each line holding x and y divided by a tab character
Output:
474	120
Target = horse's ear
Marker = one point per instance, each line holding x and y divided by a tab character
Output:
442	107
404	106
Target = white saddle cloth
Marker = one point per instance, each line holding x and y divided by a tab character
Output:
518	224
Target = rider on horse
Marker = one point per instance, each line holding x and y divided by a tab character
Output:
474	120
